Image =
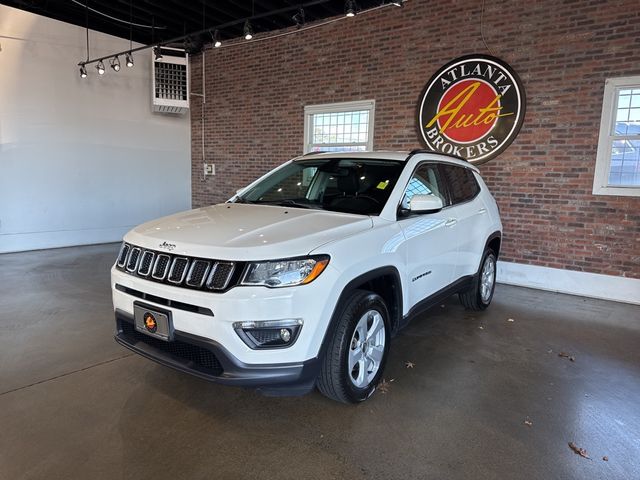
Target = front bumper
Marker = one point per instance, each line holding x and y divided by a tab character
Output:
207	359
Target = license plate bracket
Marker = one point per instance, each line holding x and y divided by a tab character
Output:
153	321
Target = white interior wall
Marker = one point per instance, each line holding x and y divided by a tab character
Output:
81	160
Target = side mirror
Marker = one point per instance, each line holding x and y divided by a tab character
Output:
425	204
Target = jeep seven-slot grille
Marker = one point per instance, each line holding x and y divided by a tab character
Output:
199	273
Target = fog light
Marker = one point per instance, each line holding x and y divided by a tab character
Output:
269	333
285	334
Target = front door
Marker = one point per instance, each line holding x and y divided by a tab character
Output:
430	247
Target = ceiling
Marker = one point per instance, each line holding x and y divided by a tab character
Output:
175	18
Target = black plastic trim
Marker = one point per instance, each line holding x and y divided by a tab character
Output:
352	286
418	151
164	301
438	297
271	379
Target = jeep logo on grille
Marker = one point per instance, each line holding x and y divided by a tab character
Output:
473	107
167	246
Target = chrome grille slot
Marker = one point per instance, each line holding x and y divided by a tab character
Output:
186	272
146	262
161	266
178	270
134	256
198	273
122	256
220	275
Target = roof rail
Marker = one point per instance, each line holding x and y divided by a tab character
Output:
423	150
313	153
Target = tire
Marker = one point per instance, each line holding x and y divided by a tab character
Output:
342	376
479	295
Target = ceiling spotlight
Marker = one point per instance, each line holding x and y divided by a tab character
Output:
129	59
83	71
215	36
299	18
115	63
248	31
100	68
350	8
398	3
157	52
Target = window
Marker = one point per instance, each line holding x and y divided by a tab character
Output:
339	127
618	159
346	185
423	182
461	182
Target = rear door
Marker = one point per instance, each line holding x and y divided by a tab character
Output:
468	213
430	248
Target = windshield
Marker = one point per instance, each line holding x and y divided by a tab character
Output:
338	184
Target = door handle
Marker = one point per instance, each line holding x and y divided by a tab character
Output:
451	222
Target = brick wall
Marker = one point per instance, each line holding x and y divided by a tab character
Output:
562	50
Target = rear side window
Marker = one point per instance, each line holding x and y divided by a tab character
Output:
461	182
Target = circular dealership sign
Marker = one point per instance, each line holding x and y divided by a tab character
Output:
473	107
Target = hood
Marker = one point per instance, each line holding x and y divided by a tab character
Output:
235	231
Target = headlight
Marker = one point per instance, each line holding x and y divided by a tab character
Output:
285	273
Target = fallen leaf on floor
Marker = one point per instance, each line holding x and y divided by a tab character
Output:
510	320
605	458
549	351
528	423
383	386
579	451
566	355
409	364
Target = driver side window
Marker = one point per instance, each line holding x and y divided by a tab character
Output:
424	181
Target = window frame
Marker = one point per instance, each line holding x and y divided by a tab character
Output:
606	137
469	171
311	110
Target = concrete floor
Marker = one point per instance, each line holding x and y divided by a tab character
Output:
73	404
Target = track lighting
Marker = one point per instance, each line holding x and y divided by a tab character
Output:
83	71
157	52
129	59
350	8
299	18
216	39
100	68
115	64
248	31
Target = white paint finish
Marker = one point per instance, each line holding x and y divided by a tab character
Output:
248	232
81	160
605	139
585	284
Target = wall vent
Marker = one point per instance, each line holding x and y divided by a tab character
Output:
170	81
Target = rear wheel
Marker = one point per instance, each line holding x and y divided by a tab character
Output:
357	353
480	293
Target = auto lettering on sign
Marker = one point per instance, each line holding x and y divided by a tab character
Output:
473	108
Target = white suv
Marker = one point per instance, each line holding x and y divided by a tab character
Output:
304	276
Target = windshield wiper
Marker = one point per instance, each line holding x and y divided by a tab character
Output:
292	203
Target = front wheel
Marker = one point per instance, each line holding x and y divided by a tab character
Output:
480	293
357	352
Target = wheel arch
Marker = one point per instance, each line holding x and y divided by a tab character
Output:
384	281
